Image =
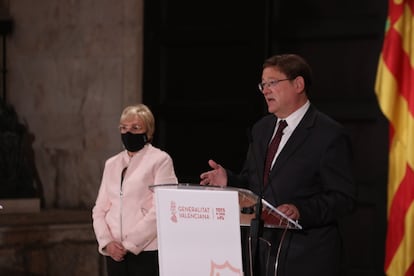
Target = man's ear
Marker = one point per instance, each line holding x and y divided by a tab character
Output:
299	83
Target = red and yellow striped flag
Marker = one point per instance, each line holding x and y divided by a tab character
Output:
395	92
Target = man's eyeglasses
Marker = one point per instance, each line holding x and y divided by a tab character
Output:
270	84
133	129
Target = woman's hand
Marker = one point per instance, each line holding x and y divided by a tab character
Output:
116	251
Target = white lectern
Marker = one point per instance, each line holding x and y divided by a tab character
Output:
198	231
199	228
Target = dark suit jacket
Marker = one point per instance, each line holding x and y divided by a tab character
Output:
313	171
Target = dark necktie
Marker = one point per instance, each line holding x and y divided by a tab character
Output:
272	149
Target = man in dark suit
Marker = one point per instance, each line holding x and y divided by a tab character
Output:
310	179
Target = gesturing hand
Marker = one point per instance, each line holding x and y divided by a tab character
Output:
216	177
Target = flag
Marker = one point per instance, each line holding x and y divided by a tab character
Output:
394	88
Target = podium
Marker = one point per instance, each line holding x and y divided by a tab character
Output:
199	229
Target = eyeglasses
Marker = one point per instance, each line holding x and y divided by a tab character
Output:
133	129
270	84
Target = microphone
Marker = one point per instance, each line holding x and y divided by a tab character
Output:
253	153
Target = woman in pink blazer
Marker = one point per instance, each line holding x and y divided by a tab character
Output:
124	218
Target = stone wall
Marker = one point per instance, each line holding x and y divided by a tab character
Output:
58	243
72	67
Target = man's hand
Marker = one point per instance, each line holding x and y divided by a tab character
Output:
289	210
216	177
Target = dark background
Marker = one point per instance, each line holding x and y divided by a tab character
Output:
202	63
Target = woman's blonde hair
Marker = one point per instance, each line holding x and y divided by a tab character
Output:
144	113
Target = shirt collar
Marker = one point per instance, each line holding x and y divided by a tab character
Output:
294	118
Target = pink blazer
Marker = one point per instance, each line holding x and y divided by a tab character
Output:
126	213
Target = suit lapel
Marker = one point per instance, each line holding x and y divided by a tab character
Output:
296	139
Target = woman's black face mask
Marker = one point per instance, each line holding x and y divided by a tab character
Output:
134	142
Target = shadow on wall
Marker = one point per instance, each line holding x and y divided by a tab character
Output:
18	174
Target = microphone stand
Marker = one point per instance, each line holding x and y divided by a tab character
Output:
256	232
257	223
